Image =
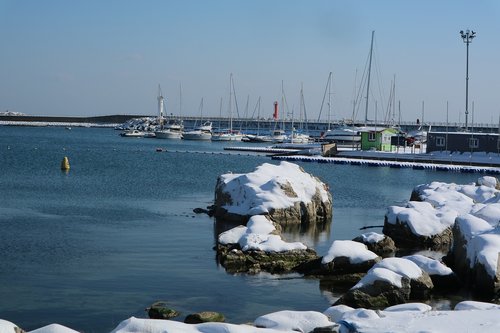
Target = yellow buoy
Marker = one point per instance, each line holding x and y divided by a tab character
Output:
65	164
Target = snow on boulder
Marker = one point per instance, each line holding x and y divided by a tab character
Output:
460	198
475	305
429	265
347	257
293	321
137	325
441	275
284	192
257	247
335	313
53	328
490	212
367	321
377	243
419	224
475	255
489	182
389	282
419	307
355	252
8	327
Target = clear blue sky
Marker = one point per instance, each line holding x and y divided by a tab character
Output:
89	57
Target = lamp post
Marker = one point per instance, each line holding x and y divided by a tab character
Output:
467	37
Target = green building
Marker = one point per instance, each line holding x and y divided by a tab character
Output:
378	139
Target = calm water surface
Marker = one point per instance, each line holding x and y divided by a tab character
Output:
92	247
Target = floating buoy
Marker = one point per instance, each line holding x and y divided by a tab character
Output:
65	164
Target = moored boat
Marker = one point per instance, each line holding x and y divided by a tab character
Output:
133	133
203	132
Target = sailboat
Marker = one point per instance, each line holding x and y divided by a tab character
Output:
298	136
229	134
202	132
345	133
342	132
277	135
173	128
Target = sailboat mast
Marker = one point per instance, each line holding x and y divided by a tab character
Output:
329	99
283	105
301	107
230	101
180	100
368	82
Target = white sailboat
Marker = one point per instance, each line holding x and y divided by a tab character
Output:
172	128
229	134
342	132
202	132
298	136
350	134
277	135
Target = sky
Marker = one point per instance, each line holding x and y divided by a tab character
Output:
103	57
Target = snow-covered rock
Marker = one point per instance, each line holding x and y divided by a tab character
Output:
54	328
8	327
441	275
284	192
475	255
380	244
293	321
421	320
258	247
389	282
419	224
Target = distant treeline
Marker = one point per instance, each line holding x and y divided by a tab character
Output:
113	119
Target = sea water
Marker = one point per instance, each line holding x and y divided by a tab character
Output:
93	246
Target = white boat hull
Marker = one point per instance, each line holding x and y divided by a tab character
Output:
196	135
226	137
167	134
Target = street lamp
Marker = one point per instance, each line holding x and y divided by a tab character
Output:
467	37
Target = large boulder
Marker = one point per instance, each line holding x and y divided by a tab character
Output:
347	257
386	289
475	255
294	321
442	276
389	282
284	192
420	225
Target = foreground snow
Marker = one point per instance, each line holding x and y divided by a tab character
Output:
417	318
468	316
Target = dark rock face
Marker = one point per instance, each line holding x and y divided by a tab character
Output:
327	329
204	317
404	238
234	260
378	295
473	274
446	283
342	266
383	248
160	310
421	287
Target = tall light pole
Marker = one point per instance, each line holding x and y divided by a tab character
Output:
467	37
